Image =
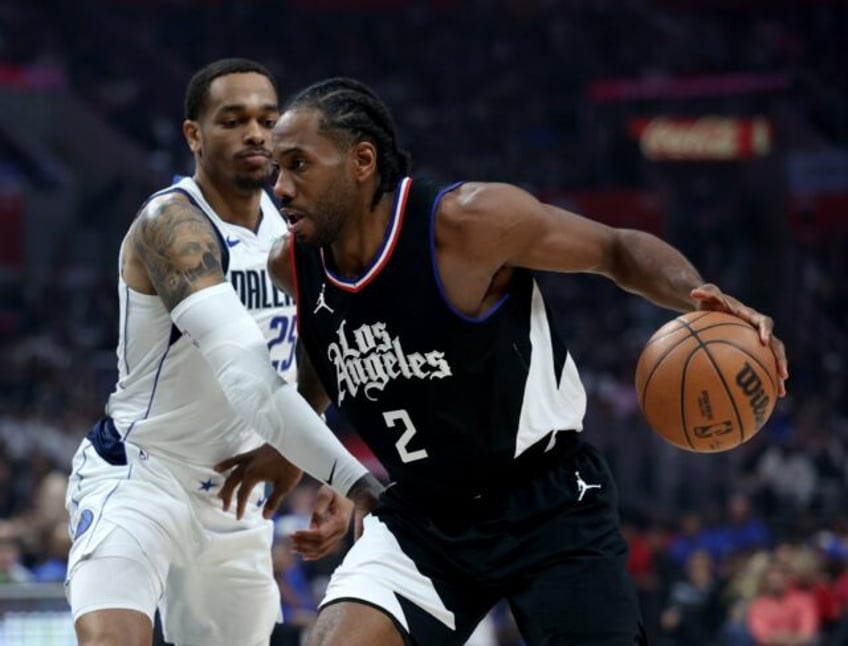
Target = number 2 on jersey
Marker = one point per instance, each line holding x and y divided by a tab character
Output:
409	431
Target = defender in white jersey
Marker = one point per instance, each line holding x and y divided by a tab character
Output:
153	398
205	344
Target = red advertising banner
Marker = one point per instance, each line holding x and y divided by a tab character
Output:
689	87
702	138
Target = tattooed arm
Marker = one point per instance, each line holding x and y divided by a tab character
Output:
171	250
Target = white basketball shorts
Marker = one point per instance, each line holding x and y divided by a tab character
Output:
377	571
153	533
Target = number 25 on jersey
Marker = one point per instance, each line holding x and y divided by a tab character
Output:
281	344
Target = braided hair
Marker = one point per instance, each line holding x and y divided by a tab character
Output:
351	112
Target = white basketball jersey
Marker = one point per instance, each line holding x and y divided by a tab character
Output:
167	398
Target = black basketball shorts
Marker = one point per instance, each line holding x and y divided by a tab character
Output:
550	545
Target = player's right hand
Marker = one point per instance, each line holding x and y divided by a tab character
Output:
710	297
329	525
264	464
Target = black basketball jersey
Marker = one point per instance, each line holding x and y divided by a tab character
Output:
444	400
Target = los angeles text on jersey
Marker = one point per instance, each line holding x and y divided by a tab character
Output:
371	358
256	291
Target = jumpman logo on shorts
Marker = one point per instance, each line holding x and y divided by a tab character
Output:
321	302
583	487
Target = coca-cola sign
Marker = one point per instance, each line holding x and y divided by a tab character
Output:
703	138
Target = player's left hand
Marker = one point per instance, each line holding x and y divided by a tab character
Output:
247	470
329	525
710	297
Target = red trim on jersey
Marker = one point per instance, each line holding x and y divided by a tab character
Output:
294	281
395	226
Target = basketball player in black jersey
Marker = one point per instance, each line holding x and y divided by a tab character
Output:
422	322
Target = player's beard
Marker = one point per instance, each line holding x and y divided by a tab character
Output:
251	183
328	218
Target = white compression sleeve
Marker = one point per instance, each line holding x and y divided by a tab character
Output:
232	343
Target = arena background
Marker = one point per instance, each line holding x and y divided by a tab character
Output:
720	125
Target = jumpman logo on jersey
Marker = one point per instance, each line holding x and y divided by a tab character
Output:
583	487
321	302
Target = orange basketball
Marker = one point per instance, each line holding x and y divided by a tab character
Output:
705	382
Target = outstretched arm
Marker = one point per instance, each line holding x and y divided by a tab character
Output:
178	248
332	513
484	228
504	226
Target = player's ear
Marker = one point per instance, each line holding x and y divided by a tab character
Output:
191	132
364	157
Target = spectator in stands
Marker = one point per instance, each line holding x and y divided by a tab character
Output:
54	567
741	532
788	476
689	538
810	576
693	613
12	569
780	616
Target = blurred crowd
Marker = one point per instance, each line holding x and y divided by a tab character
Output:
490	89
726	549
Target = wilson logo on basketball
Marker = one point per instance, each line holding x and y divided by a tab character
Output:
752	386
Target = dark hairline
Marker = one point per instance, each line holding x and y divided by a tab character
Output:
197	90
233	106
